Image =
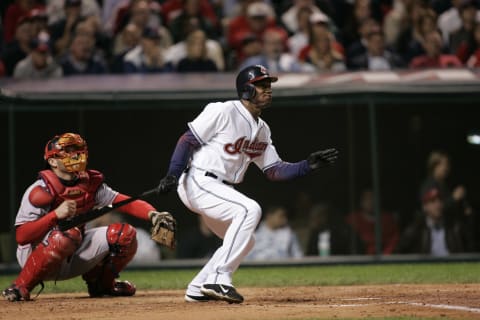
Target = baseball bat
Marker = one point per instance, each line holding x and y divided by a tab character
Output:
80	219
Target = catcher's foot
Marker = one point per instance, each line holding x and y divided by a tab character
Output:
202	298
222	292
14	293
119	289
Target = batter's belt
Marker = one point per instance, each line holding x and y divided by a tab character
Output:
211	175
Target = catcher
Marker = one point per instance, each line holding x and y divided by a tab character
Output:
65	190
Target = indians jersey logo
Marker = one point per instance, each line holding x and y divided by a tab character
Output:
242	145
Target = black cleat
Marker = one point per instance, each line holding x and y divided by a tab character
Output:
222	292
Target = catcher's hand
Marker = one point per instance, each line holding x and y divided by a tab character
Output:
164	228
322	158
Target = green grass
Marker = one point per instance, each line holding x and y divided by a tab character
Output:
295	276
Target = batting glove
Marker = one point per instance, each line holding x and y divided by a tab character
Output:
167	184
322	158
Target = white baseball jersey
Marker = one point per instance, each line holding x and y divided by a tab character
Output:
231	139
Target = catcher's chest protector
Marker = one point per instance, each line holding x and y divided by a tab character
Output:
83	192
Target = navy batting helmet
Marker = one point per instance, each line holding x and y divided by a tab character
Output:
247	77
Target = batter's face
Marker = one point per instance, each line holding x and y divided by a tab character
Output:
263	95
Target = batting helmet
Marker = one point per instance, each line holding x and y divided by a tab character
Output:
247	77
70	148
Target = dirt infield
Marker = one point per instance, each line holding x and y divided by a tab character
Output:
433	301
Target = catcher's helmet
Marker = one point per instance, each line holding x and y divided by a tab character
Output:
70	148
247	77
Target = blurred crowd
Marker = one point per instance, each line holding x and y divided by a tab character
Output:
55	38
444	223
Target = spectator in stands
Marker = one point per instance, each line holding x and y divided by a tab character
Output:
319	23
61	32
39	20
433	57
148	56
450	20
56	9
274	238
90	26
290	16
361	10
322	57
259	17
81	58
110	9
171	9
474	58
273	55
18	49
462	40
359	46
143	14
362	221
128	39
409	42
434	231
15	13
213	49
197	59
397	20
198	242
190	18
39	63
377	57
438	174
328	234
299	39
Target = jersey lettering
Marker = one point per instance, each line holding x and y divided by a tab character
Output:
242	145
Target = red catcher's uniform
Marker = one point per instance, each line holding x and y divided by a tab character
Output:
45	253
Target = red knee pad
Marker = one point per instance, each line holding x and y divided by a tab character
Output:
47	257
122	240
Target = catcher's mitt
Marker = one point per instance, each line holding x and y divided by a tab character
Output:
164	228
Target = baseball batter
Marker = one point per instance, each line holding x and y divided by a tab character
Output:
211	157
64	190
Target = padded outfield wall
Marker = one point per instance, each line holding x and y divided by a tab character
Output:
384	125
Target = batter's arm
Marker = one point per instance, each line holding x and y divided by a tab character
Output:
285	170
183	151
179	161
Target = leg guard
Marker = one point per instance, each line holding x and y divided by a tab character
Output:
122	240
45	260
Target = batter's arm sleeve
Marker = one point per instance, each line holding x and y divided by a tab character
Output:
285	170
137	208
34	231
183	151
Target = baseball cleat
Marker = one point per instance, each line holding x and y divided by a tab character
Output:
190	298
119	289
14	293
222	292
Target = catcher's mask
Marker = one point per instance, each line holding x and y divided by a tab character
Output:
71	149
247	78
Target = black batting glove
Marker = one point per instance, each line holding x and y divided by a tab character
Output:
167	184
322	158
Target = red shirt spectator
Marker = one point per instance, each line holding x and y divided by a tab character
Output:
259	18
363	223
433	57
14	13
172	8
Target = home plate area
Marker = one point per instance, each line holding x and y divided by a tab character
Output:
450	301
